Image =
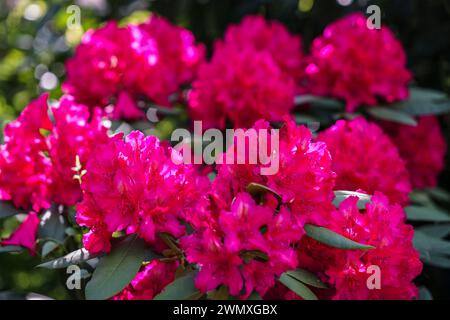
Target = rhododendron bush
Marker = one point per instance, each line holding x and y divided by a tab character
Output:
352	211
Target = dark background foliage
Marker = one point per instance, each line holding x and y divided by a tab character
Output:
34	45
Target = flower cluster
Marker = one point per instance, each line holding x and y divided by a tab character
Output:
132	185
423	148
364	158
241	232
118	65
245	245
304	179
38	157
357	64
251	75
381	225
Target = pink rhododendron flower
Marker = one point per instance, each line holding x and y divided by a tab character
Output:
252	75
229	224
133	185
357	64
119	65
382	226
229	250
304	178
271	37
25	234
25	171
150	281
423	147
176	63
242	86
72	136
95	73
364	158
38	157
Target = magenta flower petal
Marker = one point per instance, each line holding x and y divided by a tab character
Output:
25	234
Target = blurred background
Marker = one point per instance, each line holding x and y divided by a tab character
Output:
35	42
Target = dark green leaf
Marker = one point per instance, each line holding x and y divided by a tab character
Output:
182	288
10	249
341	195
75	257
48	247
430	247
7	209
255	296
419	213
420	197
425	294
332	238
298	287
318	101
439	194
424	102
436	230
391	114
52	226
306	277
436	260
116	270
220	293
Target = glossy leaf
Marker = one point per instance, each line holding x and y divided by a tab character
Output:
7	209
424	102
181	288
116	269
420	213
298	287
393	115
332	238
306	277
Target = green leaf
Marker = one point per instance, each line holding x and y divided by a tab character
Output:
341	195
419	213
182	288
255	296
436	230
10	249
439	194
256	189
75	257
318	101
391	114
420	197
7	209
332	238
433	251
221	293
424	293
48	247
52	226
306	277
116	269
298	287
424	102
426	244
436	260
